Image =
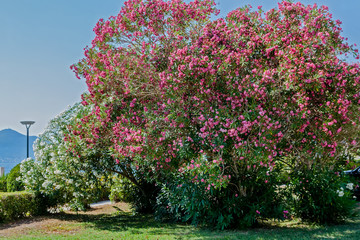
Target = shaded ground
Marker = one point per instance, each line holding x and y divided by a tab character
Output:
115	221
62	223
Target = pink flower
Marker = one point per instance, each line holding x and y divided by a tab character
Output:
285	213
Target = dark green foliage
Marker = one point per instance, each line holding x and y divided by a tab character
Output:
322	196
142	197
102	193
3	185
221	208
121	190
12	183
19	204
46	201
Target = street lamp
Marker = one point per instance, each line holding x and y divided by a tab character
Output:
27	125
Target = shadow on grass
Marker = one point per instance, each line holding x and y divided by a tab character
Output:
124	221
296	229
146	224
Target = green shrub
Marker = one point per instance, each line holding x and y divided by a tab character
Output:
103	189
13	182
142	198
3	185
322	196
194	202
19	204
353	161
121	190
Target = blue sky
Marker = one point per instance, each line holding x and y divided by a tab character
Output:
40	39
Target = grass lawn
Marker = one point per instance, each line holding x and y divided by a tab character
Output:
116	222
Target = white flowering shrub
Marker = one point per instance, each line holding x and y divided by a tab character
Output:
56	173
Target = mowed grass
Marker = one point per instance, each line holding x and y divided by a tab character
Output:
123	225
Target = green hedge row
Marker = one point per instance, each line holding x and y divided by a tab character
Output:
16	205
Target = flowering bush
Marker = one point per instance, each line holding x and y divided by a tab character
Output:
56	173
225	99
323	196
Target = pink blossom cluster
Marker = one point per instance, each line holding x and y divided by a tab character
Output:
170	85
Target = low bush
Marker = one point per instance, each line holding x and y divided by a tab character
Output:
193	200
12	181
19	204
322	196
3	185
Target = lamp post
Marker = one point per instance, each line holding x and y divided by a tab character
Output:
27	125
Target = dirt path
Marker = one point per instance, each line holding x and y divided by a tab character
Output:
58	223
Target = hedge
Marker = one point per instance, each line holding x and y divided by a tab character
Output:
16	205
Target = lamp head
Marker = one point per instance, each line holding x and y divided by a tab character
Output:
27	123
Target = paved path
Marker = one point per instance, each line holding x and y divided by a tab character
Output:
100	203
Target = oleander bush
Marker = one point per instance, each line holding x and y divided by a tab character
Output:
323	196
189	198
212	120
212	106
57	174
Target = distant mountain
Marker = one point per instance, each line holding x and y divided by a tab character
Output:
13	148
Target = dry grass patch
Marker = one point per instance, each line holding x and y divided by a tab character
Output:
66	223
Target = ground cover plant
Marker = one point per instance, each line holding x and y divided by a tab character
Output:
247	113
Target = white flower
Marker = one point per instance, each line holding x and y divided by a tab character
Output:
350	186
45	183
341	193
